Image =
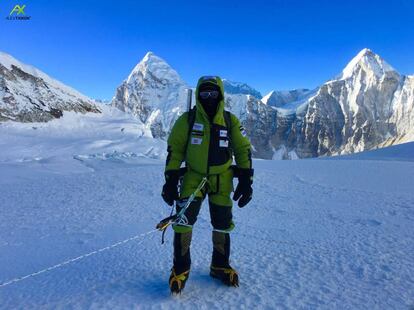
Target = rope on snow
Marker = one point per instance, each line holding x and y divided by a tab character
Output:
18	279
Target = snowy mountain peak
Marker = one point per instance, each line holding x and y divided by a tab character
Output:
152	65
151	58
367	61
153	92
372	108
232	87
149	55
281	98
365	52
266	98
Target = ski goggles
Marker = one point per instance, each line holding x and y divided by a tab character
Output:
209	93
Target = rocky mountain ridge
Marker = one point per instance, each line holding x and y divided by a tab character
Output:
29	95
369	105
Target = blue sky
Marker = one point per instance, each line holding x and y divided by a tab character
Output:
93	45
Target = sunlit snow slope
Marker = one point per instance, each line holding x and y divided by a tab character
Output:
318	234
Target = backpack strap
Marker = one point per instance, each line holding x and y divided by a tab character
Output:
227	120
191	119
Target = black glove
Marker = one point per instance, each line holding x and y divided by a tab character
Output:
244	188
170	188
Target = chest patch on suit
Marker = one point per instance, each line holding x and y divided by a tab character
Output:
224	143
196	140
198	127
223	133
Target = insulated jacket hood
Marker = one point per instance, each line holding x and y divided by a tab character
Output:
214	80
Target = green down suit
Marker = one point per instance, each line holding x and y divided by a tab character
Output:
207	151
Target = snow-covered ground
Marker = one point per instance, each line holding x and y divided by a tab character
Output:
318	234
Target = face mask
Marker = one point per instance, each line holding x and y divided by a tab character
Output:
210	106
209	97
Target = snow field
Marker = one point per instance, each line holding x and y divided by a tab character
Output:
318	234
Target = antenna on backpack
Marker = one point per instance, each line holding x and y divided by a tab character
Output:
189	98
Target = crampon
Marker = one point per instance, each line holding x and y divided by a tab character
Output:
228	275
177	282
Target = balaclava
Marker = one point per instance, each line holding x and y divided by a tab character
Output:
210	104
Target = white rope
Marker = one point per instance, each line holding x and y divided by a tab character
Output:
183	221
76	259
200	186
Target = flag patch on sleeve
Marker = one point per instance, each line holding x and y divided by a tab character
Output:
243	131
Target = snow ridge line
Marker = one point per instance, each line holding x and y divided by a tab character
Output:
76	258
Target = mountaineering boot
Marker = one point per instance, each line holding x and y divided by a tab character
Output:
227	275
177	281
220	267
182	262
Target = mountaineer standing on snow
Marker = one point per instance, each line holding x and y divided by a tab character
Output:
206	138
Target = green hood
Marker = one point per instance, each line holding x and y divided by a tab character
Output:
218	118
